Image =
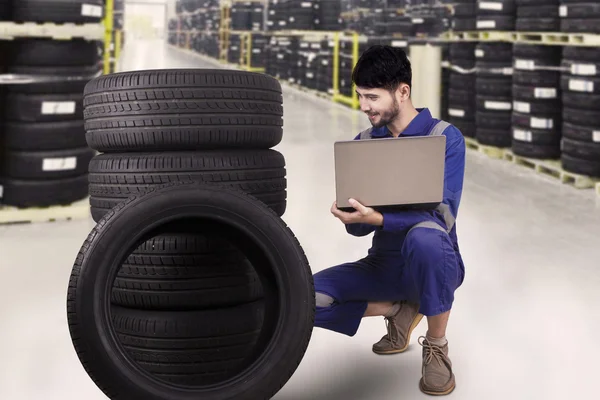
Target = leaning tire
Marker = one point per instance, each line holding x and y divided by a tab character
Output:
115	177
183	110
271	247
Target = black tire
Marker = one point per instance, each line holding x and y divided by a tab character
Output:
577	25
578	166
178	347
544	55
580	117
44	135
5	10
53	53
538	107
537	24
493	86
537	151
32	193
531	93
585	9
583	101
494	137
183	110
185	272
264	238
537	79
56	164
55	80
466	127
462	51
543	123
496	120
44	107
496	70
496	23
580	133
583	150
591	54
536	137
59	11
493	52
464	24
115	177
460	81
538	11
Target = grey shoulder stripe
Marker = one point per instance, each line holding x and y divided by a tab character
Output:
439	128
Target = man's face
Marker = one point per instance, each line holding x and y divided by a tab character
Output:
380	106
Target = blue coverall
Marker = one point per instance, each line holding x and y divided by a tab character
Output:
422	265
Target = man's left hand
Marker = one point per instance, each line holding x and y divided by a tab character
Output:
362	215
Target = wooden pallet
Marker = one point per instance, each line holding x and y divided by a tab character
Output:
490	151
598	189
556	38
477	36
552	168
13	215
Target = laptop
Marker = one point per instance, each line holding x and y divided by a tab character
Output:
405	172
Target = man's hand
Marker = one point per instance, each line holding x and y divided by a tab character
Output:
362	215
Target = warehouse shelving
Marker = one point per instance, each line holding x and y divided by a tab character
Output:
539	38
112	39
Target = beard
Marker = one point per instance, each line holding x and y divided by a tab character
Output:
387	116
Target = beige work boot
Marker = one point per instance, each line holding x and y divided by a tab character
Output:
399	328
438	378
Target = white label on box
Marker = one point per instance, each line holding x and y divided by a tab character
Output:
522	135
507	71
522	107
270	23
525	64
399	43
282	23
280	56
418	20
315	46
310	75
304	45
541	123
292	19
234	48
486	24
1	191
58	107
595	137
91	10
545	93
479	53
498	105
490	5
583	69
563	11
256	51
325	62
578	85
306	4
454	112
59	164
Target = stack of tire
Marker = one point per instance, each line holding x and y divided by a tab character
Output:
327	15
464	15
538	16
579	16
247	16
194	287
45	160
496	15
277	18
187	307
324	67
493	86
580	83
461	92
5	10
537	101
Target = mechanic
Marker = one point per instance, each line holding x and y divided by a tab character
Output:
414	264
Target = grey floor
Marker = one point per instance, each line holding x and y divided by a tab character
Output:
525	323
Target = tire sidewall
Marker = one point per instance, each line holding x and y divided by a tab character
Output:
117	236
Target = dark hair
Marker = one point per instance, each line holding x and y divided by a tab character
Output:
382	67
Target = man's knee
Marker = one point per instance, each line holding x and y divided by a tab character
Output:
424	241
323	300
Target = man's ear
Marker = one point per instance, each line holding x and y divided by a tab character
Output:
404	91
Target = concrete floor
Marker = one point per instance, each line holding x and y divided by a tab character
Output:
525	322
